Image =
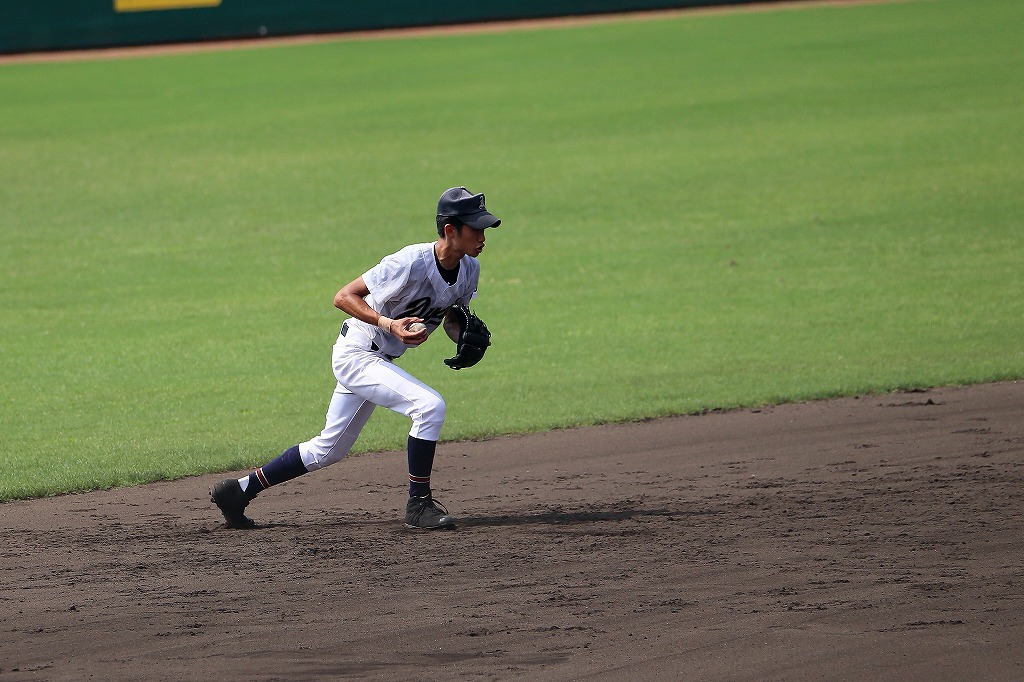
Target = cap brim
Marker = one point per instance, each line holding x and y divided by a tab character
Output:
480	220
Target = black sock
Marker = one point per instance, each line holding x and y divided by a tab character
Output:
284	467
421	461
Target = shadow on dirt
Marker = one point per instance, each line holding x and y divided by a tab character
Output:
556	516
559	517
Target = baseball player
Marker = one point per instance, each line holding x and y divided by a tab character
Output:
393	306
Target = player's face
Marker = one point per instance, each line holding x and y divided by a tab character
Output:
470	241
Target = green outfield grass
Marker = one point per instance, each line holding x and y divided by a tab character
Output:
702	211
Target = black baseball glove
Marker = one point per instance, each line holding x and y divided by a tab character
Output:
473	338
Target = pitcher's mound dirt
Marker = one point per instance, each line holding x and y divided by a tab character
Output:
878	538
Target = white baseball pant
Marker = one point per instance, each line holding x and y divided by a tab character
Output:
366	379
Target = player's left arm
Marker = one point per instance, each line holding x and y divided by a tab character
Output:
451	326
472	337
454	319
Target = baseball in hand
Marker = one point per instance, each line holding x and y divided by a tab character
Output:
416	327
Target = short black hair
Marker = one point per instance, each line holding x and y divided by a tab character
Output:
443	220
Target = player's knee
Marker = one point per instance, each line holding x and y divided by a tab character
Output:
320	453
429	418
434	410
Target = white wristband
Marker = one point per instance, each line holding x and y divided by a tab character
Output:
385	323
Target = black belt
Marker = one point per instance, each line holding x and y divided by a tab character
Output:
374	347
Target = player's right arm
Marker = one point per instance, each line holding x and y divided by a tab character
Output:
351	299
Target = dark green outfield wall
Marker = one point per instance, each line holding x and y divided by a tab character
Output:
33	25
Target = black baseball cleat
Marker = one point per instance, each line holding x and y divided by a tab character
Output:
232	501
424	512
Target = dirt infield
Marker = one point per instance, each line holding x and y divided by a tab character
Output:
876	538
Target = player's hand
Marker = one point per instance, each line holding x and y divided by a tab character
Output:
414	337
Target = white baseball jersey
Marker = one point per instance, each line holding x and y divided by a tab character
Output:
408	284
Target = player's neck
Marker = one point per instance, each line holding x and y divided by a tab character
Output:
448	256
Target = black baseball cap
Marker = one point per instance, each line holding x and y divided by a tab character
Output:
459	202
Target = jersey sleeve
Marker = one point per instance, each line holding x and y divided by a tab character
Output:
388	277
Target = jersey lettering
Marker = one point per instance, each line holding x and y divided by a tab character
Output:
421	308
